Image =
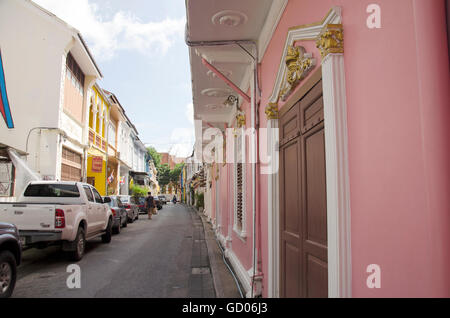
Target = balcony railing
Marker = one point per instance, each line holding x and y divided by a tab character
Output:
97	140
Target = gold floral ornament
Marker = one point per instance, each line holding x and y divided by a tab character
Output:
299	64
331	40
272	111
240	120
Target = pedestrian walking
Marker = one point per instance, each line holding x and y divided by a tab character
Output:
149	205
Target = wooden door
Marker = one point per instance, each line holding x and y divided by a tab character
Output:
303	213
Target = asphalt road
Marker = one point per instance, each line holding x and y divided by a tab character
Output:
149	258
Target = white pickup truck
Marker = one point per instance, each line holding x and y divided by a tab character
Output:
59	212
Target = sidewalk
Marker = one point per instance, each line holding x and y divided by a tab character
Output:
223	282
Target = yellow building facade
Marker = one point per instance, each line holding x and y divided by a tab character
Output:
99	108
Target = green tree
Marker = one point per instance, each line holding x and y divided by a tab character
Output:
163	175
155	156
176	172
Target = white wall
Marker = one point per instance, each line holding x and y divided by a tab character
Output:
32	48
124	144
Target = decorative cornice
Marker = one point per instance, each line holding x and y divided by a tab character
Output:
309	32
331	40
299	64
272	111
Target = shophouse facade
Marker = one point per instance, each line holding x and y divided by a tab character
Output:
124	145
97	161
138	173
47	123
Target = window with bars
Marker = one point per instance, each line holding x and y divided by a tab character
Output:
7	177
239	179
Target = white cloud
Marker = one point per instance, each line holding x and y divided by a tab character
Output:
123	32
190	112
183	140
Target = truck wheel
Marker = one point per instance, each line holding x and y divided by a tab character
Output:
7	274
106	238
131	219
80	244
125	224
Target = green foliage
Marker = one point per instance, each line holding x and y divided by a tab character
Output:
138	191
176	172
163	175
155	156
199	200
167	175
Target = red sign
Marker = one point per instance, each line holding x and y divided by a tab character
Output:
97	164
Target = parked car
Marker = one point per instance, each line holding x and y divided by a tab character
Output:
130	205
10	257
119	212
162	198
59	212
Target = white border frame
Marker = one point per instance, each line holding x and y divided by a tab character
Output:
337	173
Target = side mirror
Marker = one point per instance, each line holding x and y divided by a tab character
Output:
106	199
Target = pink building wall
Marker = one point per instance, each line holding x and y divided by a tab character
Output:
243	247
213	199
397	84
73	100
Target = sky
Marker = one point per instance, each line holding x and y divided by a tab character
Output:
139	47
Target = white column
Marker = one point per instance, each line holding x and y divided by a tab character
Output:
337	177
273	208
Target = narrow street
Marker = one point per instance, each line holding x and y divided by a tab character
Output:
162	257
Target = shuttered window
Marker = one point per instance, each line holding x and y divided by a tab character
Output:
239	179
70	165
239	195
7	177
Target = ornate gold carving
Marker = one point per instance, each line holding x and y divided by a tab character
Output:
331	40
240	119
272	111
299	64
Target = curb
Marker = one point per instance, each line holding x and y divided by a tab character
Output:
212	259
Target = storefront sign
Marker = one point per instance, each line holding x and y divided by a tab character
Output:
97	164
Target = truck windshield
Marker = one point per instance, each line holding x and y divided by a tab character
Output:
52	190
